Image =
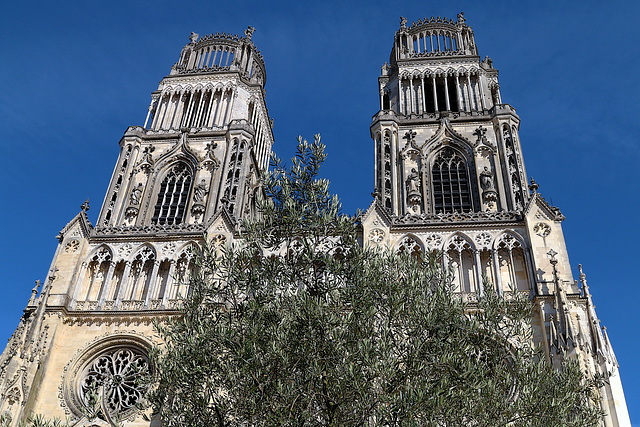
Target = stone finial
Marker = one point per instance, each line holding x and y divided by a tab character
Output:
85	206
410	136
34	292
249	32
533	186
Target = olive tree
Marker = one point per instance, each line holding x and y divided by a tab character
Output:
299	325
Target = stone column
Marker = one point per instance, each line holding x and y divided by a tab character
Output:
482	101
424	100
472	105
459	93
400	97
229	106
167	289
153	282
496	267
435	93
412	103
106	284
446	92
76	292
394	172
146	120
124	283
479	288
163	111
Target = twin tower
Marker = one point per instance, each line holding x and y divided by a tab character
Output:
449	176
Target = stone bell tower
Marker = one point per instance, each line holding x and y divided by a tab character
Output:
190	173
450	177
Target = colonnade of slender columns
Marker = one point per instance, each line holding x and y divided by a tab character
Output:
435	41
213	56
109	284
262	140
470	265
415	91
199	108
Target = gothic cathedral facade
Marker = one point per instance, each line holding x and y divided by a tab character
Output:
449	177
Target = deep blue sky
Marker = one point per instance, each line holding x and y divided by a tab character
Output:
74	75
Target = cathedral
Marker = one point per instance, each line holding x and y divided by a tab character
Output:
449	177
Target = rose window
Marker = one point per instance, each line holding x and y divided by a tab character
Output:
117	377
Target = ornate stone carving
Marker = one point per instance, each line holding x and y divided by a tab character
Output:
182	228
72	246
414	196
111	365
200	191
168	249
136	194
131	213
146	163
376	235
116	374
13	396
458	243
210	161
483	240
410	245
464	217
125	250
433	241
219	241
542	229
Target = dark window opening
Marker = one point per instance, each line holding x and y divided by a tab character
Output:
451	189
442	102
453	94
173	196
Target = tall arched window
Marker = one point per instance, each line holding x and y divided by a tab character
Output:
450	178
173	196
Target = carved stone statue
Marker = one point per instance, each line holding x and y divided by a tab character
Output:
136	194
193	37
413	183
200	191
403	22
486	180
461	19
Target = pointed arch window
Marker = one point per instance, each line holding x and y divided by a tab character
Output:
450	178
173	196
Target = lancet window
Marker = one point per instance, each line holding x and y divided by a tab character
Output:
116	188
200	108
184	270
173	196
450	178
141	275
460	260
511	259
387	170
96	275
232	183
503	262
514	169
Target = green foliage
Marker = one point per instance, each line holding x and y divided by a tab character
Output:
41	421
302	326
